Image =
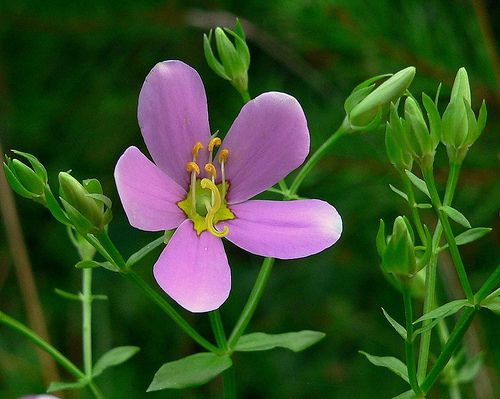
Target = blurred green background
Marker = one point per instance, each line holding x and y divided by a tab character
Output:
70	74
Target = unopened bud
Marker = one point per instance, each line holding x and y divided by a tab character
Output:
29	182
86	207
396	143
422	144
234	57
377	102
399	255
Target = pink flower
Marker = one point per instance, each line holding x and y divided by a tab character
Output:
206	195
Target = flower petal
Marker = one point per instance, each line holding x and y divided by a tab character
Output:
268	140
284	229
194	270
173	116
148	195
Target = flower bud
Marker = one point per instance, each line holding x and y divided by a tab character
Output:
234	57
399	255
376	102
28	182
396	143
422	144
460	128
86	207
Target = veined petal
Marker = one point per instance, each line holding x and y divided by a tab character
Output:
268	140
194	270
284	229
148	195
173	116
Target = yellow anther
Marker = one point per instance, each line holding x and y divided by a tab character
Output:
193	167
223	155
196	149
210	169
215	142
217	202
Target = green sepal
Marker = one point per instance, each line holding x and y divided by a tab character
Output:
434	119
213	63
356	96
295	341
62	386
14	182
55	208
389	362
190	371
35	164
380	239
114	357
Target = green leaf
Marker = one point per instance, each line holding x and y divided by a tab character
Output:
418	183
406	395
60	386
444	311
92	264
470	369
399	192
67	295
398	327
423	206
456	216
393	364
494	306
425	328
295	341
471	235
114	357
141	253
190	371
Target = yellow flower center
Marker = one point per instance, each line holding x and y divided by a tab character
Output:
205	204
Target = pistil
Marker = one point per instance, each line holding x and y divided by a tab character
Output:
209	218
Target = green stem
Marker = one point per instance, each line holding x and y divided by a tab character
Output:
452	245
87	321
490	284
218	329
450	347
38	341
245	96
409	343
431	273
229	383
108	249
343	129
251	305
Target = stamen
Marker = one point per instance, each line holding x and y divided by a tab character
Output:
196	149
223	156
210	169
194	169
214	142
217	202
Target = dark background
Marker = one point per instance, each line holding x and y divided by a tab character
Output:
70	74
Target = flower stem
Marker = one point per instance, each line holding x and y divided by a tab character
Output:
431	272
218	329
38	341
452	245
490	284
318	154
450	347
409	343
245	96
251	305
229	383
87	321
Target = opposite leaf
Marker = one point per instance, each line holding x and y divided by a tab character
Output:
60	386
456	216
114	357
295	341
398	327
190	371
418	183
406	395
393	364
444	311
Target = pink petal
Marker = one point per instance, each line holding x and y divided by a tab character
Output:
194	270
284	229
173	116
148	195
268	140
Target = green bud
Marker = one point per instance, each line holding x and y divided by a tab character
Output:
234	57
86	207
28	182
399	255
422	144
377	102
396	143
460	128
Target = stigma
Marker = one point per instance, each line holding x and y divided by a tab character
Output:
205	203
